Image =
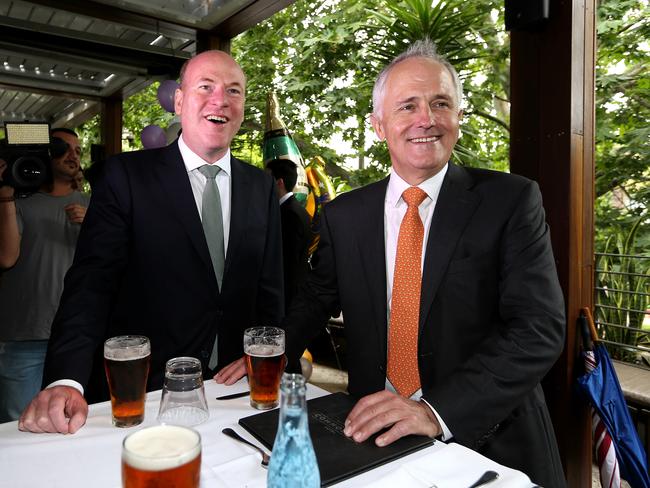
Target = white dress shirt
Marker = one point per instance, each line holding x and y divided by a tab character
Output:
394	211
192	163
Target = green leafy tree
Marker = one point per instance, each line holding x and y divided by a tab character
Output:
323	58
471	36
623	120
314	55
623	174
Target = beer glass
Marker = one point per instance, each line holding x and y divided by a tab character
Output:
163	455
265	362
126	361
183	396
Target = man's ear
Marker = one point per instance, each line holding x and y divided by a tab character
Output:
178	101
460	119
376	124
280	183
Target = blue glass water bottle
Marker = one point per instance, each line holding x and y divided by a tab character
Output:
293	462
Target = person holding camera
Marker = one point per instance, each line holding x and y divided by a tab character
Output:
38	235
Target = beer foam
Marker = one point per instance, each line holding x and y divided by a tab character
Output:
127	351
127	354
161	447
264	350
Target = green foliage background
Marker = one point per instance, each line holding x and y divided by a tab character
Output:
623	120
322	59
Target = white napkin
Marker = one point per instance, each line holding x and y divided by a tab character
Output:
454	466
242	472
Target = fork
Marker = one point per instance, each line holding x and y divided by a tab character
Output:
486	478
234	435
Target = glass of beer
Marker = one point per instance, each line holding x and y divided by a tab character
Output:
265	362
164	455
126	361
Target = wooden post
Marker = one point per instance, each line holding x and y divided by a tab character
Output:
111	125
552	142
206	40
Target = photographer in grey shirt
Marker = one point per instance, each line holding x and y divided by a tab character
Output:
38	235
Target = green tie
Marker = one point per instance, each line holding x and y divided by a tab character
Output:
212	220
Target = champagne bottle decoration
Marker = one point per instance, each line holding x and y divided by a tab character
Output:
322	191
278	144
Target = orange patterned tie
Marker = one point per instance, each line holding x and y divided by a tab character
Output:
405	305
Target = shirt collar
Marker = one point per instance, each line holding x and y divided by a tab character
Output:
286	197
193	161
431	186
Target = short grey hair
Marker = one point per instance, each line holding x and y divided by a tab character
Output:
423	48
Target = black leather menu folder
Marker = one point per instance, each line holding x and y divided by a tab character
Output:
338	457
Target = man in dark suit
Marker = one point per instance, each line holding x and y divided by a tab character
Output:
296	234
482	300
143	264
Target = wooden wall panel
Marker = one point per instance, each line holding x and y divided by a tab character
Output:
552	142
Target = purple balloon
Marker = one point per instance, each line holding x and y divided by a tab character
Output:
166	92
153	136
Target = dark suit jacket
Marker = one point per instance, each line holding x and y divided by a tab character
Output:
142	266
296	237
491	312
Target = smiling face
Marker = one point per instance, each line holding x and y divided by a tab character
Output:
210	103
67	166
419	118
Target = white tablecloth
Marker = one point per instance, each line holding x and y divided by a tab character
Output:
91	457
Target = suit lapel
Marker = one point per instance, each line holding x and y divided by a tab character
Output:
455	206
178	192
371	247
239	201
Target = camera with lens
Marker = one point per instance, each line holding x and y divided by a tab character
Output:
28	150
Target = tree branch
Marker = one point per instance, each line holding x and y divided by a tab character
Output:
494	119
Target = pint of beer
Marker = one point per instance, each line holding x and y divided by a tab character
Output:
126	361
164	455
265	362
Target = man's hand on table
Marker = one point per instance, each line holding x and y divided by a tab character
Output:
385	409
57	409
232	373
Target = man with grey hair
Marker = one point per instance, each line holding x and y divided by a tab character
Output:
447	282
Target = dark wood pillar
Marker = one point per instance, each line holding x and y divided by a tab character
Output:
207	40
552	142
111	125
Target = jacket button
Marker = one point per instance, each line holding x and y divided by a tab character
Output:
205	354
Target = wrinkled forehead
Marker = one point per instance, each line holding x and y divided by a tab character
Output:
416	73
213	64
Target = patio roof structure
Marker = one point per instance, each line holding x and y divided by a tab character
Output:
63	62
